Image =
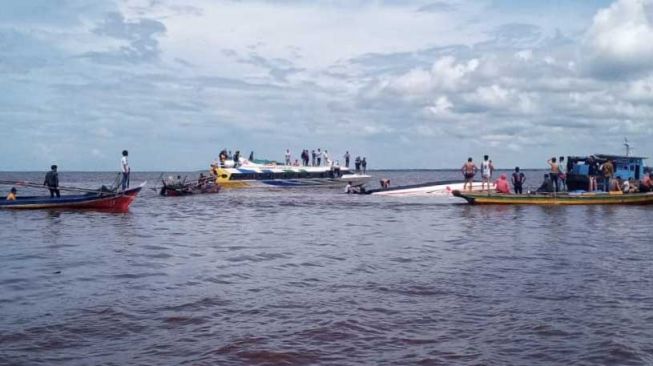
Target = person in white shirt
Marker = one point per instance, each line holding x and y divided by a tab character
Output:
486	173
287	156
327	162
124	165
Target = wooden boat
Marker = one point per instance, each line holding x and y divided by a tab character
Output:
440	188
117	201
187	189
585	198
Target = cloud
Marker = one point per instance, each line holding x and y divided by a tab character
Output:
620	39
437	7
140	36
170	83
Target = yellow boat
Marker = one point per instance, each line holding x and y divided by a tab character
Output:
585	198
248	175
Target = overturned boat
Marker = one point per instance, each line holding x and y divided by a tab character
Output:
439	188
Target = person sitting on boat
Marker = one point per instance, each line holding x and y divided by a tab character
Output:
633	186
547	185
52	182
501	185
615	185
12	194
469	171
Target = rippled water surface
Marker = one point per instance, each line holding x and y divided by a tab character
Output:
314	276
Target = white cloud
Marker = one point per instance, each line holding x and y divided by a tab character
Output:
524	55
621	38
449	75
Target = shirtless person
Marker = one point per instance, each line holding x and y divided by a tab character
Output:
469	171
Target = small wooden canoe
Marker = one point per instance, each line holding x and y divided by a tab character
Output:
587	198
102	200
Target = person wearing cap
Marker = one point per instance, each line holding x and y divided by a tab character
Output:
52	181
12	194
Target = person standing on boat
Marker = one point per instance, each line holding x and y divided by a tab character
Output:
313	157
52	182
486	173
357	164
592	172
347	159
124	165
327	161
319	157
608	172
364	165
469	171
562	167
518	180
237	159
555	171
287	156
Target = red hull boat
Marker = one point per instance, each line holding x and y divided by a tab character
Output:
106	201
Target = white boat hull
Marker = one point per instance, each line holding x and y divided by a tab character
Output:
435	189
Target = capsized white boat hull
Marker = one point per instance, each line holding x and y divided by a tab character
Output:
428	189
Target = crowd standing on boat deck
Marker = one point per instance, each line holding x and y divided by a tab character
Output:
556	179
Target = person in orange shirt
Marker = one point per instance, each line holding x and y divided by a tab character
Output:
502	185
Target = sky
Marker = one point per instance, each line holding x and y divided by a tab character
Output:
407	84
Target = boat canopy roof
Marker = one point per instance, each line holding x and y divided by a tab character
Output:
603	157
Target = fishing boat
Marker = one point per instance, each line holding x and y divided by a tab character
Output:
439	188
101	199
188	188
625	167
247	174
581	198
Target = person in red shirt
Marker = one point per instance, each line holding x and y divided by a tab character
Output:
502	185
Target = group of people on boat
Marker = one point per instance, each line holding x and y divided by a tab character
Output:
598	171
470	169
51	180
321	158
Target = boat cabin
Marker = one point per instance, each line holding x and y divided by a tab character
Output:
579	168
